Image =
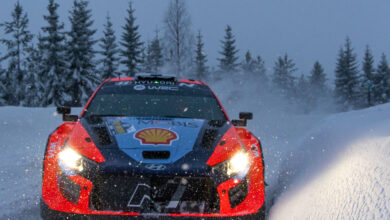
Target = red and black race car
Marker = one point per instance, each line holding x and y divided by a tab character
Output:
152	146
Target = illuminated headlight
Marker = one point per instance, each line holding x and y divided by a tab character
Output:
238	163
71	159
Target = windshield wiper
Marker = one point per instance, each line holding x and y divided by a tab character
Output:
106	115
173	116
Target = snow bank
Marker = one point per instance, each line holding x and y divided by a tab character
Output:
339	170
23	137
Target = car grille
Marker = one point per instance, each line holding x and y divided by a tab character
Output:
154	195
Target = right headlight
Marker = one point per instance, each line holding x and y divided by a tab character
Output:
70	159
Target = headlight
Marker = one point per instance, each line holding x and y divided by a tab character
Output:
238	163
71	159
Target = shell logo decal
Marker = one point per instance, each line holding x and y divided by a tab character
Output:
156	136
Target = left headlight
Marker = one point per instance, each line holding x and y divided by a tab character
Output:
71	159
238	163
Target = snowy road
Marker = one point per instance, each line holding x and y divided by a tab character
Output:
317	167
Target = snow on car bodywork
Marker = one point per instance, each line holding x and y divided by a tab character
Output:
153	146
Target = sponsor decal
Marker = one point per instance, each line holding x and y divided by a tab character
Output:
190	85
140	196
118	127
53	148
164	88
156	136
167	122
145	82
156	167
139	87
123	83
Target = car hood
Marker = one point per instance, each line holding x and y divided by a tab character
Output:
146	139
155	140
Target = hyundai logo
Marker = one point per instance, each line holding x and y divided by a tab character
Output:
156	167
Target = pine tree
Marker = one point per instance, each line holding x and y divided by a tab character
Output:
303	94
367	83
200	58
317	80
248	65
131	41
82	78
2	86
381	81
34	85
260	70
347	76
54	69
228	62
283	75
17	46
155	53
317	88
146	58
109	50
178	37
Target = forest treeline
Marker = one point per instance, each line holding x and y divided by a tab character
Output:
63	66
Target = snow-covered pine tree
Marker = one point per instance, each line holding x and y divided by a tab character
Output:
283	77
303	95
155	53
109	51
317	80
260	70
131	41
200	61
347	76
17	45
146	58
178	36
228	61
381	83
248	65
367	83
34	85
317	88
81	77
2	86
54	70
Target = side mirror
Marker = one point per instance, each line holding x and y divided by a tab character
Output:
244	117
65	111
241	123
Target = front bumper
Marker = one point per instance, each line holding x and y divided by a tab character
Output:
153	196
47	213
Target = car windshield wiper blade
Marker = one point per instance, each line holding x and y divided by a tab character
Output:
106	115
173	116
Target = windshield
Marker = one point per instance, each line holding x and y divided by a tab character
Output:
156	100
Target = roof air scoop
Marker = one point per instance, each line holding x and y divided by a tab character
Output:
154	76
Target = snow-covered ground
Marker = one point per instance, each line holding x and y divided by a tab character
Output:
23	135
318	166
339	170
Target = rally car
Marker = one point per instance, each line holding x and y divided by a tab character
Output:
152	146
